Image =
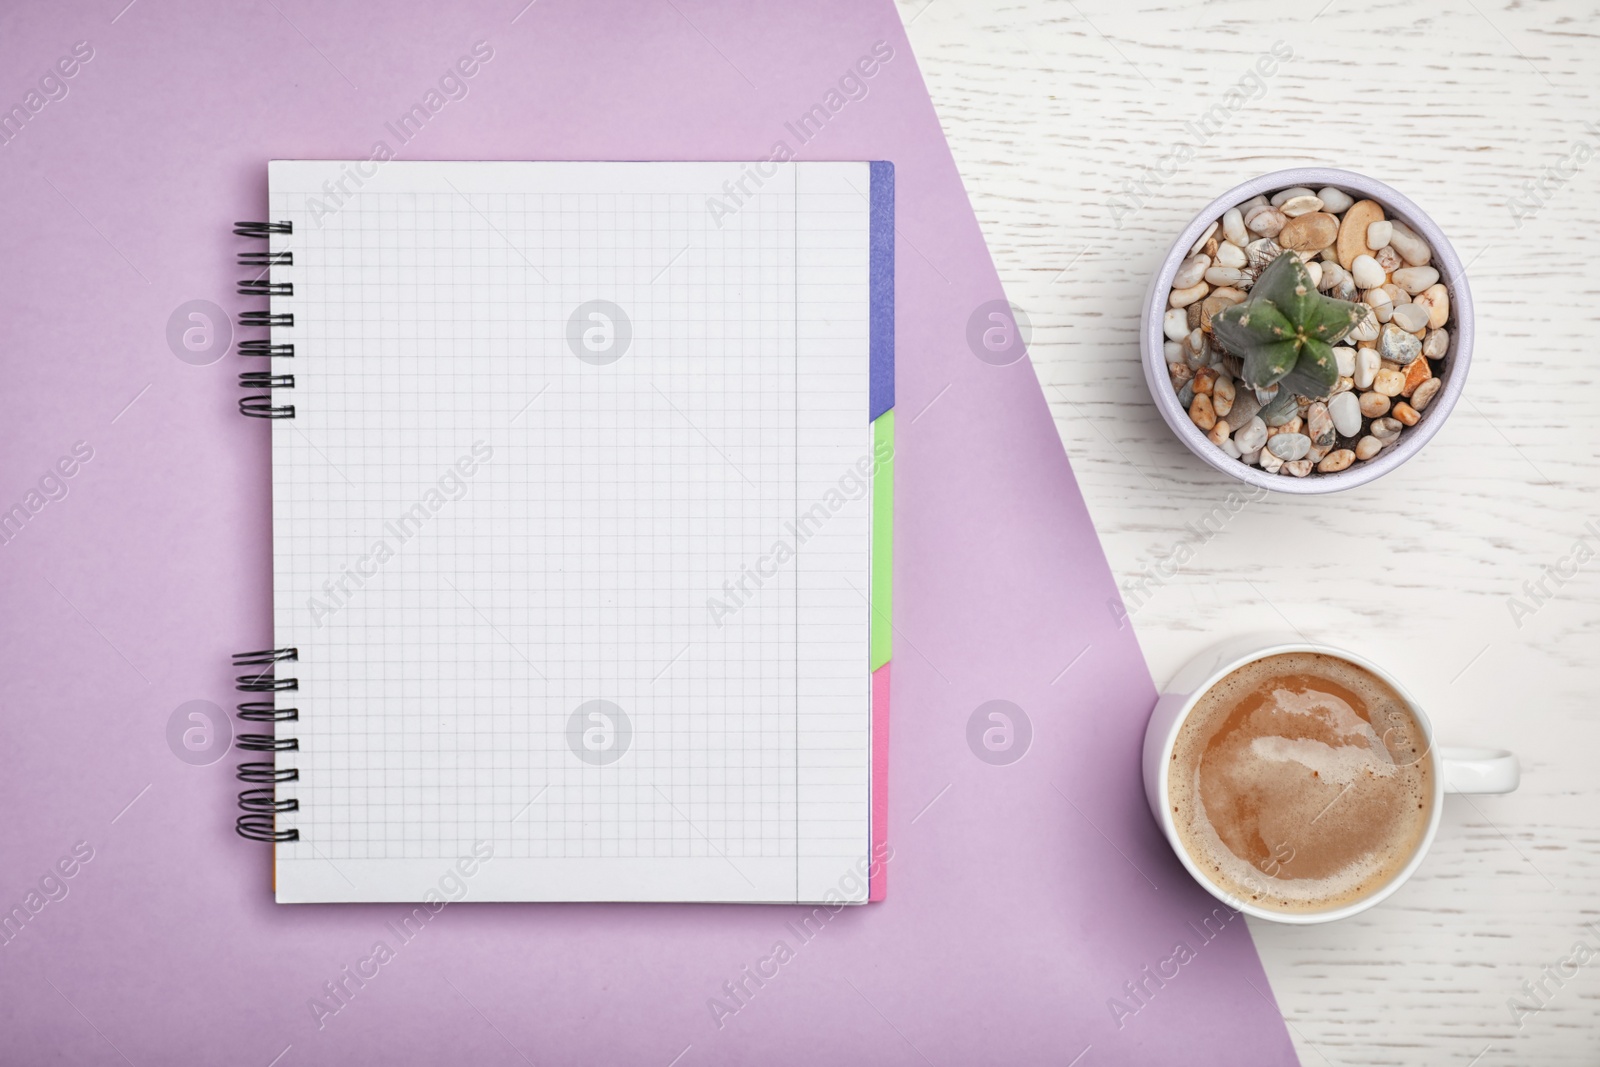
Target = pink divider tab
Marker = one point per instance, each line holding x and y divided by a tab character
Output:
878	877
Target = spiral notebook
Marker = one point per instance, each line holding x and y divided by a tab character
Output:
582	486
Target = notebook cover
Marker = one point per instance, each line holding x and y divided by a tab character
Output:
1018	918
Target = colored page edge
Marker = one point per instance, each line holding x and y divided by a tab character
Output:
878	863
881	272
882	606
881	414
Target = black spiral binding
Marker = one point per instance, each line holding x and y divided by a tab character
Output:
263	287
260	803
263	405
262	229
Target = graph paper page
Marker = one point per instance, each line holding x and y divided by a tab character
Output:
571	530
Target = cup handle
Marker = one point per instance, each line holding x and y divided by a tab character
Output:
1480	770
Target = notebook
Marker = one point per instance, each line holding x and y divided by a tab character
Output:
582	487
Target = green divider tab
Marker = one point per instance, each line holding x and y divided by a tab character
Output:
882	537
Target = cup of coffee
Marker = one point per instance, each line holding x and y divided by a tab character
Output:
1301	783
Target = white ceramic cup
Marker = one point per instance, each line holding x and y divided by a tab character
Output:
1455	770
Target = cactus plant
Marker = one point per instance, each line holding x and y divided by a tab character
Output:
1285	331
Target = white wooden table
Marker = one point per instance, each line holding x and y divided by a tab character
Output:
1051	106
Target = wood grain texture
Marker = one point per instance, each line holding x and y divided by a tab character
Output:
1053	106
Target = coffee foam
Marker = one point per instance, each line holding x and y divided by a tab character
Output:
1301	783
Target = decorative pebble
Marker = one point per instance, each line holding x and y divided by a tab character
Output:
1231	276
1365	330
1425	393
1260	253
1204	379
1279	411
1345	410
1231	449
1416	372
1319	424
1190	271
1378	234
1201	412
1312	232
1182	298
1231	255
1436	298
1251	435
1368	447
1353	226
1304	204
1398	346
1344	357
1409	317
1175	324
1388	382
1378	300
1222	396
1335	200
1297	467
1415	279
1233	227
1437	343
1407	414
1186	395
1219	299
1367	273
1388	259
1219	432
1244	407
1249	458
1386	430
1367	363
1289	446
1270	463
1373	405
1314	269
1283	196
1413	249
1332	274
1266	221
1204	237
1334	462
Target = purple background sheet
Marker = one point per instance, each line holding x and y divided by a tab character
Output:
1023	897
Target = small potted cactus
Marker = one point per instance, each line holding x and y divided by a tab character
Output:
1281	338
1311	323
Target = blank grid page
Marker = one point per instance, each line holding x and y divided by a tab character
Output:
572	530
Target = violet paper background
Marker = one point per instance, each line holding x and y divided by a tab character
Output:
1021	897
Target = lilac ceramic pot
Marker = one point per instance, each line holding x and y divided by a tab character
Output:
1457	359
